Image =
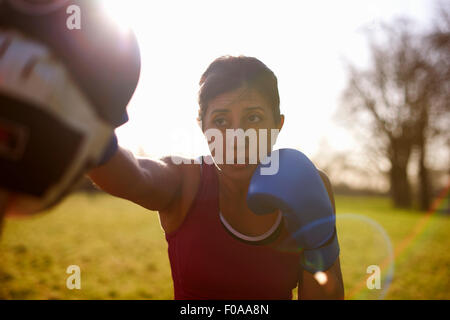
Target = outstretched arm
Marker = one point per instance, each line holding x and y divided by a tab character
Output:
152	184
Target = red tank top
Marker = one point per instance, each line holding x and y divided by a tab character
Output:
208	263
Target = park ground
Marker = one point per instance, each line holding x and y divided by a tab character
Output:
122	253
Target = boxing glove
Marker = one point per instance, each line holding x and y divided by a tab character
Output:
102	58
298	191
62	93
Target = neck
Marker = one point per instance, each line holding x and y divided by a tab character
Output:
233	186
233	190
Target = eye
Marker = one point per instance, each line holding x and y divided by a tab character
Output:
220	121
254	118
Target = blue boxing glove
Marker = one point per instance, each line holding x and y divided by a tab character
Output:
112	146
298	192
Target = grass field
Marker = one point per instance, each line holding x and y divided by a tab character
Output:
121	250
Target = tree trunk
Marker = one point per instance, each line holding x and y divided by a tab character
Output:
400	187
424	181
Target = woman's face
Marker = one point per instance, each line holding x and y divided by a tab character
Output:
240	109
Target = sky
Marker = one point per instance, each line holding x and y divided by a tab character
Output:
303	42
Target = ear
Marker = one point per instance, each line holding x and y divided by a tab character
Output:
280	125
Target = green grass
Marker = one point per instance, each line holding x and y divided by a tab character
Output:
121	250
422	260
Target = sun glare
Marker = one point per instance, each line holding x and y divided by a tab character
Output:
120	13
303	44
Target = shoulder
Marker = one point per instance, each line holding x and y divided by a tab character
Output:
182	166
189	172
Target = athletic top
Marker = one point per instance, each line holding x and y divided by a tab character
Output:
209	263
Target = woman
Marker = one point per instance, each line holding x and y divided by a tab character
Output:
218	248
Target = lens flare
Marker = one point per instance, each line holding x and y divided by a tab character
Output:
364	243
321	278
359	290
121	13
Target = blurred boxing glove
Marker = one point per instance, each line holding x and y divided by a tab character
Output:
62	93
298	192
102	58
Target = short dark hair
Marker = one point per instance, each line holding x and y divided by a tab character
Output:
228	73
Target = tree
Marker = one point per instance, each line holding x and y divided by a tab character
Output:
437	107
395	100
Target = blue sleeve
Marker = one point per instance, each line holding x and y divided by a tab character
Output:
110	150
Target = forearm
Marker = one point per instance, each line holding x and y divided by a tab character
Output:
331	286
121	176
329	291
